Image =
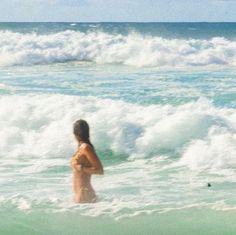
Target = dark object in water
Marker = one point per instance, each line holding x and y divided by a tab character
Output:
208	184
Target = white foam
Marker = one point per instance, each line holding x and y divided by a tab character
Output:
103	48
217	150
36	136
40	126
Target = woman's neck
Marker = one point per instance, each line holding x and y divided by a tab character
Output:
81	142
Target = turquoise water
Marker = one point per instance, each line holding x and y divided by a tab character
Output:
160	100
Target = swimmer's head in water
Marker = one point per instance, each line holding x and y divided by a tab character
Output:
81	131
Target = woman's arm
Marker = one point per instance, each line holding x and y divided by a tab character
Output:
73	161
92	157
74	164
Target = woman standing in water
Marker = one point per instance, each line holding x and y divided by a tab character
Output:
84	163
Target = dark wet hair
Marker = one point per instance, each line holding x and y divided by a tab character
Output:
81	130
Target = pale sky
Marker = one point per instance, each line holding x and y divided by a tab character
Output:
118	10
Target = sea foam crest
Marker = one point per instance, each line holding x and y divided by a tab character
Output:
199	134
103	48
37	140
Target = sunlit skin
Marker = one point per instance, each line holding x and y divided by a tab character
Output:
84	163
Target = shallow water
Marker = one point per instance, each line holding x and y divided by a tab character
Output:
164	128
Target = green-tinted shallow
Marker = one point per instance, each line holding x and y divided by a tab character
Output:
184	222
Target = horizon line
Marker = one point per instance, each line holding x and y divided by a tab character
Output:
142	22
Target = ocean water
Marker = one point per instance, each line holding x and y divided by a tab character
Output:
160	101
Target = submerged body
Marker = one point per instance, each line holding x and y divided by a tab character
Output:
85	163
83	191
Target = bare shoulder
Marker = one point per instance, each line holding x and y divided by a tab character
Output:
86	147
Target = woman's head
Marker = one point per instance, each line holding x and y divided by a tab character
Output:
81	131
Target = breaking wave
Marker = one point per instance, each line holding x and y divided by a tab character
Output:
200	134
104	48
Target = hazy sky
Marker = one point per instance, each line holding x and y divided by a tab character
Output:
118	10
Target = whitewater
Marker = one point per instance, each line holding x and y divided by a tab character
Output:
160	101
103	48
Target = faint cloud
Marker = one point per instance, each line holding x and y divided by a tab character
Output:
68	2
224	1
51	2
